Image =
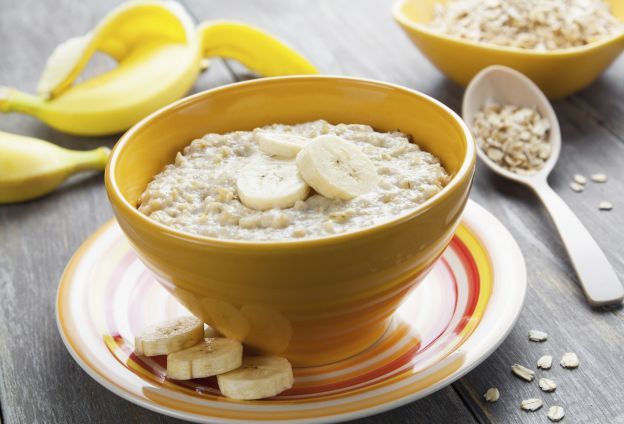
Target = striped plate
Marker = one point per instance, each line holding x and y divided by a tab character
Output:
457	316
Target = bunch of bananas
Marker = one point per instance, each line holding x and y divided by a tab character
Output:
159	54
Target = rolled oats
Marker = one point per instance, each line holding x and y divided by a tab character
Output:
531	404
599	178
569	360
547	385
492	395
527	24
514	137
605	206
523	372
545	362
555	413
537	336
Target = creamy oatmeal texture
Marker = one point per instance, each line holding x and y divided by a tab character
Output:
198	193
527	24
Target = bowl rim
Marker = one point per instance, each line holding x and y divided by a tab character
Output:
401	18
465	171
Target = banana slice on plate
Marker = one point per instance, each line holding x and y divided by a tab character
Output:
270	330
215	355
258	377
280	144
225	318
169	336
267	183
336	168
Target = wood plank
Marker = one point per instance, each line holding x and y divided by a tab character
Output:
363	41
40	381
603	101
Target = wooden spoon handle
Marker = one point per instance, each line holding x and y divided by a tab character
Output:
597	276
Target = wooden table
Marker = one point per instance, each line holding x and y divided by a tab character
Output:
39	382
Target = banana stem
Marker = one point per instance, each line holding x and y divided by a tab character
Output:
88	160
12	100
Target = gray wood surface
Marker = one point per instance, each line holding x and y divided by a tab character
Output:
39	382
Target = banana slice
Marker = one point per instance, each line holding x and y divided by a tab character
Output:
270	330
280	144
267	183
259	377
214	355
336	168
169	336
225	318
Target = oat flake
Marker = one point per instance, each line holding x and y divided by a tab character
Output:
569	360
580	179
599	178
537	336
545	362
547	385
523	372
555	413
492	394
531	404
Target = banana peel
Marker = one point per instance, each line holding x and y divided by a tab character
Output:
159	54
30	168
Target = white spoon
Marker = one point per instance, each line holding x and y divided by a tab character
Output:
502	85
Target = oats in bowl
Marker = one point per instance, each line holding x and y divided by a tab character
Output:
527	24
283	182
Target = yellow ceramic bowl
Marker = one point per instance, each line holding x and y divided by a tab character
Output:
314	301
558	73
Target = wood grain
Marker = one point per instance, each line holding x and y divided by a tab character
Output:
39	382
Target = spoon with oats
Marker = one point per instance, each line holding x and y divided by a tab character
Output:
518	136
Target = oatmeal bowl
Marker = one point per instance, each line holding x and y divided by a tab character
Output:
562	45
294	214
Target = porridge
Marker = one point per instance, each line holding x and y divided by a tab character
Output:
527	24
283	182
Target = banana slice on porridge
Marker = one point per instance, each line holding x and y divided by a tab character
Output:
258	377
169	336
336	168
267	183
214	355
280	144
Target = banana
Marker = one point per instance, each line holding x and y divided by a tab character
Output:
31	168
225	318
336	168
267	183
270	330
258	377
280	144
159	53
210	357
169	336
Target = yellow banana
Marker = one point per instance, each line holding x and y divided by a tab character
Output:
159	54
30	167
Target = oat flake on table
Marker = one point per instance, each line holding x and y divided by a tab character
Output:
491	395
523	372
547	385
537	336
545	362
527	24
569	360
555	413
531	404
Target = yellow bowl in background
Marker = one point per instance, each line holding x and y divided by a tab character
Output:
558	73
315	301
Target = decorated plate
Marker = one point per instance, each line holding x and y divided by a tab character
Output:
449	324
